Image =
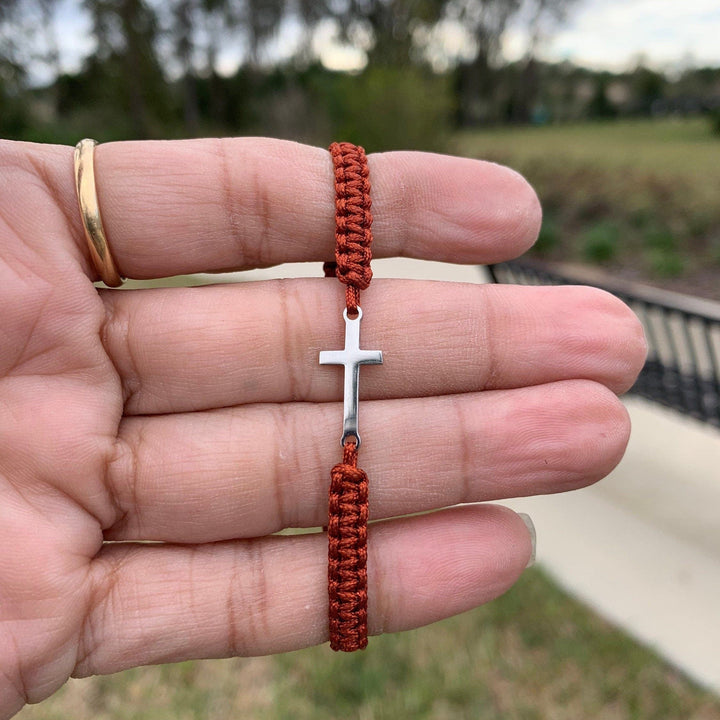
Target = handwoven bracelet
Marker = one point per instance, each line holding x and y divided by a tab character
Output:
348	501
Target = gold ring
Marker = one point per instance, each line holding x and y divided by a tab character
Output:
90	213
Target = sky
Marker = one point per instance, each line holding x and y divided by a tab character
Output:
610	34
613	33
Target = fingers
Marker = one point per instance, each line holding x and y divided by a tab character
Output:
248	472
192	349
215	204
153	604
201	205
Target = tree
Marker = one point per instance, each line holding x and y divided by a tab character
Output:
126	60
196	29
14	34
183	22
388	23
47	10
544	16
260	19
27	33
648	87
485	21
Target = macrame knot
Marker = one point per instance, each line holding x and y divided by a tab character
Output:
348	502
353	220
347	553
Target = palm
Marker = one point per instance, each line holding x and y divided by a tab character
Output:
199	418
61	405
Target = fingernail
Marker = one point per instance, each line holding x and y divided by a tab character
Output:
530	525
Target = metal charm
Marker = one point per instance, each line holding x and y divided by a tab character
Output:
352	357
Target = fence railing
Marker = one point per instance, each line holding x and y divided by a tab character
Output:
683	333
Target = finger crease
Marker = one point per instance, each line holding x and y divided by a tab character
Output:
488	351
19	685
233	629
255	600
292	377
464	465
117	323
125	458
262	208
282	432
233	212
103	583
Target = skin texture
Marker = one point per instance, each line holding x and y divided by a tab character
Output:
200	417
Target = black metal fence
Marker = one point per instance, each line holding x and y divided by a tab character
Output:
683	333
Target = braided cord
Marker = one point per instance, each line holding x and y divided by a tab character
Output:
348	500
347	553
353	221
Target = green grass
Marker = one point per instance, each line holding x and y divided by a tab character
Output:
666	147
644	177
534	654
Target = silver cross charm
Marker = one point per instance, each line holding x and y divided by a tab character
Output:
352	357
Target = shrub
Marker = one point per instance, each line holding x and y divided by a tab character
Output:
665	263
660	238
662	253
387	108
600	243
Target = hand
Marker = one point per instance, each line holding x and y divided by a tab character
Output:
199	417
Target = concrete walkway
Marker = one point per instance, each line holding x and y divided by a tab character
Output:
642	547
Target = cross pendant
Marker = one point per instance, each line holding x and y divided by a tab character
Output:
352	357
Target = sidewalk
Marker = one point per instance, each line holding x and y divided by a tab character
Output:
642	547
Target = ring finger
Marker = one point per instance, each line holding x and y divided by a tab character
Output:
251	471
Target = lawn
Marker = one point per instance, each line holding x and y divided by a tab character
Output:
640	197
676	147
534	654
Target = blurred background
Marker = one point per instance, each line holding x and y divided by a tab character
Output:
611	108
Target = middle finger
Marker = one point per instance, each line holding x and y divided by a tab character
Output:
250	471
188	349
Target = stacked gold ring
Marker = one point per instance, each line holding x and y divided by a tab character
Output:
90	212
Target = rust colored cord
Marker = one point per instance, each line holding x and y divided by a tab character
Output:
348	501
347	553
353	221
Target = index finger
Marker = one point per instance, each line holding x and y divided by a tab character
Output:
220	204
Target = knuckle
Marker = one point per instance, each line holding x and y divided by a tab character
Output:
248	588
117	340
249	215
122	479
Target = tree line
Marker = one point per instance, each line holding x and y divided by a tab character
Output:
428	66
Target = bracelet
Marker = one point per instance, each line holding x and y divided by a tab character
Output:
348	499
